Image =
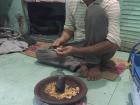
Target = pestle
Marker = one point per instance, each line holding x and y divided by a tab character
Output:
60	84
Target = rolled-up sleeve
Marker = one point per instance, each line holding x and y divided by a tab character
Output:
113	12
69	20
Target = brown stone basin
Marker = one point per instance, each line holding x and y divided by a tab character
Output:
70	80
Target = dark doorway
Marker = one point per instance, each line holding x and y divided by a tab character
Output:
46	18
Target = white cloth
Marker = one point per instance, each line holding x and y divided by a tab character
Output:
11	45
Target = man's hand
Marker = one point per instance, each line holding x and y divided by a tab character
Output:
66	35
66	51
58	42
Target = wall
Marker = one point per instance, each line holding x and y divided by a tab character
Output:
130	23
14	10
4	9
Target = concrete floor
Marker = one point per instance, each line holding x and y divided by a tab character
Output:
20	73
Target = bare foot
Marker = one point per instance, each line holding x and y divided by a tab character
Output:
94	73
108	66
83	70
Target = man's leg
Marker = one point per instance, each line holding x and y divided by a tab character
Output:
49	56
96	24
107	63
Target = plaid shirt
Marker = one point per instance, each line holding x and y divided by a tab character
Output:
75	15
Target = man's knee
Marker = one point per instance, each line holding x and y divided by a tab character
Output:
96	19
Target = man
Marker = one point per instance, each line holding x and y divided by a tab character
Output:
96	24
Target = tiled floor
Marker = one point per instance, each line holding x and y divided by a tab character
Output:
19	74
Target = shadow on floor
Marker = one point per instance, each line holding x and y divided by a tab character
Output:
58	68
98	83
36	102
95	84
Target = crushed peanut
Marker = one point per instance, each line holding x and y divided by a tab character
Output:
68	93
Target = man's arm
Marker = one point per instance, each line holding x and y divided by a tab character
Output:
98	49
66	35
68	27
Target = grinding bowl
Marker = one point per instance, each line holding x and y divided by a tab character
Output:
40	94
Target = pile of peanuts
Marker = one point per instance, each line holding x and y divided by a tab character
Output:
68	93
